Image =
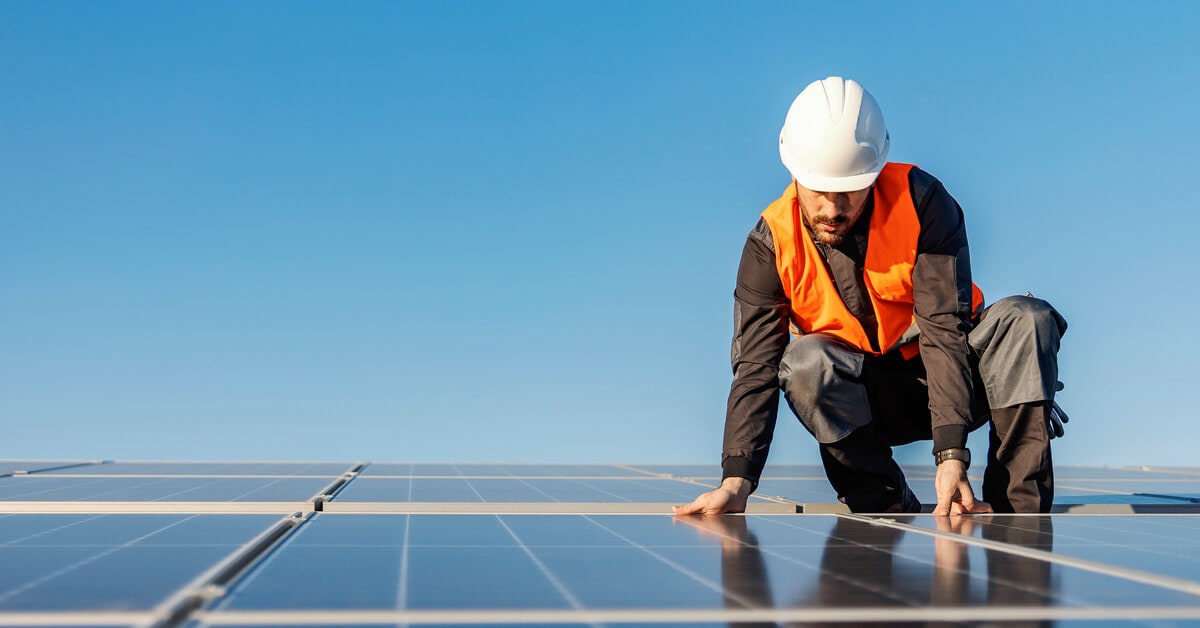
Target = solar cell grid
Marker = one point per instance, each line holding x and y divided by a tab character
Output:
804	491
9	467
111	562
543	563
516	490
154	489
1168	545
1182	490
773	471
1108	474
746	621
500	470
1149	490
323	469
1179	470
491	568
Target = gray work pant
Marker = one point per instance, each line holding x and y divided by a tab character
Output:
858	406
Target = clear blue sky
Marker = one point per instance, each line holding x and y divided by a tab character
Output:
508	231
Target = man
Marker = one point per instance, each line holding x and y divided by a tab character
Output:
866	263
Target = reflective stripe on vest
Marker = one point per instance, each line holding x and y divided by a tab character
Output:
887	270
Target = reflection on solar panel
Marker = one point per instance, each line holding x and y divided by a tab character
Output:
353	544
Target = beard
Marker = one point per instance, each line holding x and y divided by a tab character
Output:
832	238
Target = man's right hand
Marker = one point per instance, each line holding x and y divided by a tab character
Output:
731	496
954	493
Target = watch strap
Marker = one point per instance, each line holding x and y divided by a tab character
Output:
954	453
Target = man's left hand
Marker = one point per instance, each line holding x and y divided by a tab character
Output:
1055	417
954	493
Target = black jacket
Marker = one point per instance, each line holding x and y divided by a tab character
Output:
942	301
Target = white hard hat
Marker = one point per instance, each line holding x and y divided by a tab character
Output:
834	139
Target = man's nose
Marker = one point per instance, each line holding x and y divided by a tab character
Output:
836	205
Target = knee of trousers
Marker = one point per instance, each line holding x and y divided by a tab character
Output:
1017	341
1031	313
821	378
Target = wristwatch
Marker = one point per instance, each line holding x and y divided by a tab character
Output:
954	453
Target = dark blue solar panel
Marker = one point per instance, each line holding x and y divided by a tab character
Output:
714	470
329	469
51	488
683	470
1078	492
1076	497
794	471
1108	474
797	621
1159	544
542	563
368	489
805	491
499	470
111	562
545	562
8	467
1178	488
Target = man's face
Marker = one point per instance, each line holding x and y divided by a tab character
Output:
831	215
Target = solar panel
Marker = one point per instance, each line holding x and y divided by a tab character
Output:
327	469
536	565
150	488
19	467
1170	488
516	490
1082	487
111	562
1107	474
1162	545
804	491
343	544
500	470
773	471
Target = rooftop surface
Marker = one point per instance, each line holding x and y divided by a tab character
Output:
357	544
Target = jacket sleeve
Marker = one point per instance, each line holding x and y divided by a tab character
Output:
942	303
761	316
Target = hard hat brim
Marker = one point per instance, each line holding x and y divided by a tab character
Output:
838	184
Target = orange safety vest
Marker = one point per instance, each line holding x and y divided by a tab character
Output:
887	271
